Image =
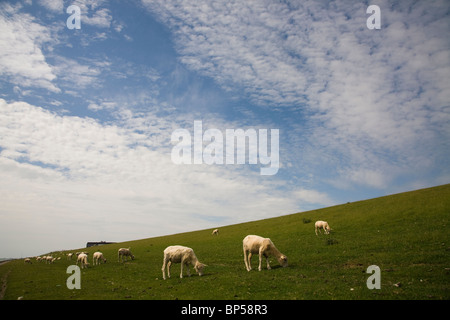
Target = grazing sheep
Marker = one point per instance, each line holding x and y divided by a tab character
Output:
183	255
27	260
322	225
263	247
124	252
49	259
215	232
69	256
83	259
98	256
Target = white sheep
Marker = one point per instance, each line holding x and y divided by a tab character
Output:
263	247
49	259
183	255
98	256
69	256
124	252
215	232
83	259
27	260
322	225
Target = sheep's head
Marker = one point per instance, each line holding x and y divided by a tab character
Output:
283	261
199	268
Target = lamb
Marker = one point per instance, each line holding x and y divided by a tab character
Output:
215	232
83	259
322	225
183	255
124	252
98	256
264	247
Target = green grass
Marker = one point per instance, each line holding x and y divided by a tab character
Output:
404	234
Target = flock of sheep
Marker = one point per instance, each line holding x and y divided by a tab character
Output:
251	245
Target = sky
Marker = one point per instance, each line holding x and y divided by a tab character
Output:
87	114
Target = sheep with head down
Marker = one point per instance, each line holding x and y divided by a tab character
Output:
322	225
83	259
263	247
124	253
183	255
97	257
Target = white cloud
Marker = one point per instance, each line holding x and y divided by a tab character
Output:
101	18
21	58
93	14
53	5
75	75
313	197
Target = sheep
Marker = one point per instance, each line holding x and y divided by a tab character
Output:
322	225
83	259
80	252
98	256
124	252
49	259
27	260
263	247
183	255
69	256
215	232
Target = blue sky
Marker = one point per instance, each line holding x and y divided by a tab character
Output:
86	115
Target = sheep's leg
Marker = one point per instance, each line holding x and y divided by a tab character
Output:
163	269
188	270
267	260
260	260
169	264
181	273
247	260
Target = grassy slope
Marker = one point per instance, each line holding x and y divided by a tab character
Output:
404	234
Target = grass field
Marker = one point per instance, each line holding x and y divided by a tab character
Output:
404	234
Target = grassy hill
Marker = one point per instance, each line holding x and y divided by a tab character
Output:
404	234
